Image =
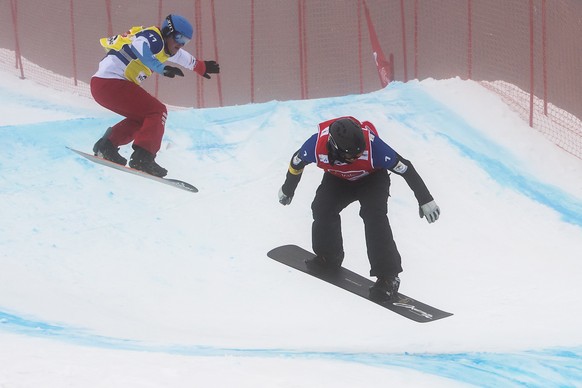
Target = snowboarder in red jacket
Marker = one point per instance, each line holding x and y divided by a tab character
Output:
356	164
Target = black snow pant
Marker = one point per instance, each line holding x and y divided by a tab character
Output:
335	194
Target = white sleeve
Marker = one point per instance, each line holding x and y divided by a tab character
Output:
138	43
184	59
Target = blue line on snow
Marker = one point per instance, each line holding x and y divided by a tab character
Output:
499	163
412	106
552	367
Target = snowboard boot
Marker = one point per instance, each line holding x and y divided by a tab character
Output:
106	150
385	288
144	161
322	264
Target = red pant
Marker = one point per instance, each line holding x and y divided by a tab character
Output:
145	115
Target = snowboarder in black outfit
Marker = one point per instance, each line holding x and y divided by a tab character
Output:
356	163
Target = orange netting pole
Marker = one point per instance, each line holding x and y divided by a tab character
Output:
18	56
252	58
74	47
531	62
109	22
470	39
402	18
359	5
215	41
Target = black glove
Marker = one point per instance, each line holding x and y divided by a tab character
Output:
171	72
211	67
284	199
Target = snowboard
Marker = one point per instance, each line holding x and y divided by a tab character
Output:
408	307
172	182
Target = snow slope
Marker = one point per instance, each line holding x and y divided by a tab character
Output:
107	279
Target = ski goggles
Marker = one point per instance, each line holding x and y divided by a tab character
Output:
180	38
349	157
343	154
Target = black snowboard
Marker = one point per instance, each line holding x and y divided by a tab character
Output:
295	256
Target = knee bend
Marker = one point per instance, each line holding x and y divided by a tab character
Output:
373	212
162	110
324	214
157	109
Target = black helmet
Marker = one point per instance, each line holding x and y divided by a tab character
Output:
346	140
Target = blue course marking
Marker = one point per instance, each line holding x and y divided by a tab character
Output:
546	368
497	162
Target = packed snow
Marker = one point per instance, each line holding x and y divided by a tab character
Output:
112	280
